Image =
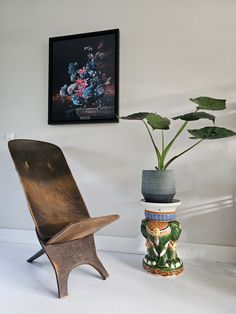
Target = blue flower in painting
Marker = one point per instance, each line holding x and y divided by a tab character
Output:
97	80
91	65
91	73
87	93
75	100
73	67
73	77
99	91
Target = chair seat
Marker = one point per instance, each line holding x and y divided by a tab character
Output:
81	229
48	230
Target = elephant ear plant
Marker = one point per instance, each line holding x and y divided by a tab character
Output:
154	121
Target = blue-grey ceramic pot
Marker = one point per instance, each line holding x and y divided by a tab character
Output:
158	186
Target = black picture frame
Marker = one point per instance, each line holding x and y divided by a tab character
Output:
84	78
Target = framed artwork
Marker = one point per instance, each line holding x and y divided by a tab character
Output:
84	78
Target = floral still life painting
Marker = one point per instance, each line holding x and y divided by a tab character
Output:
83	78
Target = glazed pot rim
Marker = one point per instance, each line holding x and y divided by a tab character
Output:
166	170
175	202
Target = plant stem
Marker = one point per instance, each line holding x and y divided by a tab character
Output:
175	137
153	142
162	141
161	160
185	151
167	148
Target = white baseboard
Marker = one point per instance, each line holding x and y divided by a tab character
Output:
18	236
205	252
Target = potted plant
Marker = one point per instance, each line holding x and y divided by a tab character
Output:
159	185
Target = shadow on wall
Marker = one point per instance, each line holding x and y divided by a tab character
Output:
208	222
204	208
206	186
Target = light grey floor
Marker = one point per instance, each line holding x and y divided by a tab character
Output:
31	288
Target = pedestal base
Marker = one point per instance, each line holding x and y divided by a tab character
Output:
163	271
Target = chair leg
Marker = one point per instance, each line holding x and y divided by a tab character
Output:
96	263
62	276
62	265
66	256
36	255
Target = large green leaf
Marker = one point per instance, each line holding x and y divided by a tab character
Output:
209	103
136	116
196	116
158	122
211	133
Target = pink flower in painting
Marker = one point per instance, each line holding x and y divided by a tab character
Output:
81	71
81	85
79	92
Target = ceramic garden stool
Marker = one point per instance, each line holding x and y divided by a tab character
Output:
162	232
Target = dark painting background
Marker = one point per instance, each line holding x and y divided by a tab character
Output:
70	50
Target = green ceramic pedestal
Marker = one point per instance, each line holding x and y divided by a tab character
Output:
162	232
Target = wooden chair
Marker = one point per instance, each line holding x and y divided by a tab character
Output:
63	225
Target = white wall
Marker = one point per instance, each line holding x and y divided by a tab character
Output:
170	51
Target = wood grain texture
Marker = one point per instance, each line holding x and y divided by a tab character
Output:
64	257
63	224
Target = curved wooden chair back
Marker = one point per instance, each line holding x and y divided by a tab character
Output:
52	194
